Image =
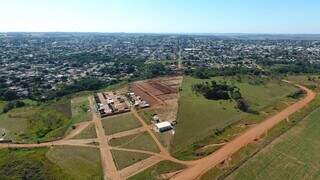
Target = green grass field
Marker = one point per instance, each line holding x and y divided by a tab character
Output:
2	103
50	163
154	172
248	152
28	164
198	117
77	162
124	159
88	133
79	109
295	155
37	123
120	123
147	114
142	141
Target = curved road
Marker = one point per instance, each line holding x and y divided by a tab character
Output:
206	163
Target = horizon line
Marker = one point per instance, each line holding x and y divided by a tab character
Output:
174	33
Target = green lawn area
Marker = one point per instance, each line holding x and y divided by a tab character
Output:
146	114
37	123
77	162
124	159
141	141
79	109
154	172
87	133
120	123
16	122
29	164
199	117
295	155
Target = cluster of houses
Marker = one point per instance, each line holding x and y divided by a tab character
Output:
137	101
110	103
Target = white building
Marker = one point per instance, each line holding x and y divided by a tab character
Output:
163	126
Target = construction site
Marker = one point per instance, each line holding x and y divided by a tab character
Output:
157	91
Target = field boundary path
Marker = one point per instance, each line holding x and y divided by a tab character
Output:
226	151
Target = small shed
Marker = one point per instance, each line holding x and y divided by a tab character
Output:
163	126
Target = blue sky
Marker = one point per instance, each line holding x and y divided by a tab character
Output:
161	16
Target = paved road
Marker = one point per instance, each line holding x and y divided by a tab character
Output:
249	136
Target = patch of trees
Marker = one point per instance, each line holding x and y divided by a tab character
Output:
17	167
297	68
151	70
85	84
205	73
155	69
8	95
11	105
221	91
297	94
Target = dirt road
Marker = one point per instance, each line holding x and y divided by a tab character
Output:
249	136
108	165
79	128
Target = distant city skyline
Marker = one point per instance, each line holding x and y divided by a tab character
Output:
161	16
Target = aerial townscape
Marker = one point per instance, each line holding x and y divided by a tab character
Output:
159	90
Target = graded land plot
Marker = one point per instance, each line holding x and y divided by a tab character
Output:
141	141
88	133
124	159
37	123
199	118
29	164
158	90
295	155
77	162
119	123
156	171
79	109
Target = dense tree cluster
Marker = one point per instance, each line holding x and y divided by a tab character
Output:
85	84
205	73
221	91
11	105
216	91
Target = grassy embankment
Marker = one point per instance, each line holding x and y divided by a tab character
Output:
202	122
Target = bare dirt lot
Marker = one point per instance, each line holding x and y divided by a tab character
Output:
157	91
